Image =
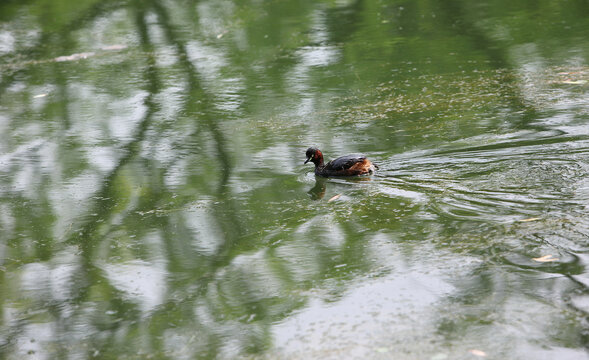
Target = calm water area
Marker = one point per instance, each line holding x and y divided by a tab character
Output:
154	203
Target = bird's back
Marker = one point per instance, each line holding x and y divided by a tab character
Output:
345	162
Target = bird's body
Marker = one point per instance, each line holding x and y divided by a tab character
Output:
347	165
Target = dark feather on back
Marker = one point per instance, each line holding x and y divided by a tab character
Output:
344	162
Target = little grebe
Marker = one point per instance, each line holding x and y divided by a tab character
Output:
348	165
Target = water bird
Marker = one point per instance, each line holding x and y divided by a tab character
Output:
347	165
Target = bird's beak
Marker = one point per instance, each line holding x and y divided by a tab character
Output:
309	158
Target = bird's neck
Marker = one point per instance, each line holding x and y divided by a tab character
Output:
318	161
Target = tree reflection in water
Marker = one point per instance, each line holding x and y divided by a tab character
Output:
154	204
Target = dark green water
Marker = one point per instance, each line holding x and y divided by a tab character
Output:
154	201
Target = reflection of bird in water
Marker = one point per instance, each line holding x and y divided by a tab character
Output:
348	165
317	192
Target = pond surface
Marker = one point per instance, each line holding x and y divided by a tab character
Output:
154	201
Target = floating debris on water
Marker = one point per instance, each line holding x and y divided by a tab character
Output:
530	219
546	258
476	352
334	197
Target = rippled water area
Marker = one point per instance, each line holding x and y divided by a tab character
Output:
154	203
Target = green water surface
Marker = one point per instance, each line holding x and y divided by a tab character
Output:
154	203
